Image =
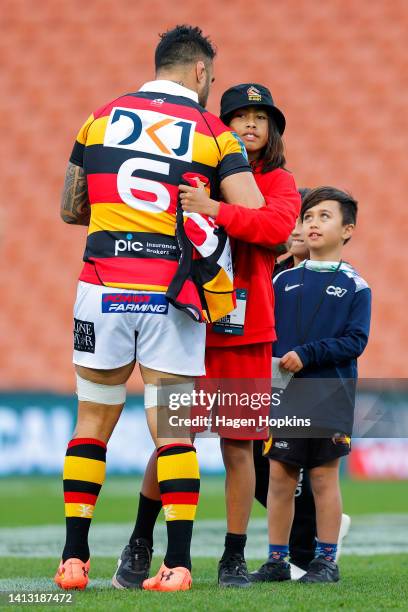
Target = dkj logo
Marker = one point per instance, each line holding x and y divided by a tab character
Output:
148	303
127	246
152	132
337	291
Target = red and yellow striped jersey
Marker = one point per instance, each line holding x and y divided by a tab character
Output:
134	152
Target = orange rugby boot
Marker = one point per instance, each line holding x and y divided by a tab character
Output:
169	579
73	574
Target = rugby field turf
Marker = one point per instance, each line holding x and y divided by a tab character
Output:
368	583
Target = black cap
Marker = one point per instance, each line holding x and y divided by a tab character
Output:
250	94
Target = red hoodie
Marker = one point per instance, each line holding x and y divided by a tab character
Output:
254	232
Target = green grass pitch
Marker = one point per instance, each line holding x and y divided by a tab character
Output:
370	582
118	499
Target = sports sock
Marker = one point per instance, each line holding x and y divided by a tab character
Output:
278	552
234	544
179	482
84	474
326	550
147	513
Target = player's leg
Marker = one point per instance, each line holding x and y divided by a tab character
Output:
286	458
283	479
171	352
104	351
327	495
303	534
324	463
326	491
248	370
101	397
239	483
179	483
239	494
149	503
302	542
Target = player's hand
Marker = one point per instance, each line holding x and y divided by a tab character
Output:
196	199
291	362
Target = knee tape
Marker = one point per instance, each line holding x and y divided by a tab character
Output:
151	396
168	395
88	391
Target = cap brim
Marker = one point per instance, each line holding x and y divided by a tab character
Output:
274	111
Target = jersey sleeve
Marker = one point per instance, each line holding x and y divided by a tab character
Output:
77	155
233	156
350	344
269	225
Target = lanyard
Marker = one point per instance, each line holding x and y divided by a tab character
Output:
303	337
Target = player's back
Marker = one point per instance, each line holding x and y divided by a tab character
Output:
135	151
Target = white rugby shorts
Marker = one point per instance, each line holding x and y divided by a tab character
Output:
112	327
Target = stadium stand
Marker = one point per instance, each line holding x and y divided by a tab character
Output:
338	69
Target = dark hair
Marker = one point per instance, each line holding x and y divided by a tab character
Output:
183	44
348	205
273	154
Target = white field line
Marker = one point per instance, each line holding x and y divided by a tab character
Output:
369	535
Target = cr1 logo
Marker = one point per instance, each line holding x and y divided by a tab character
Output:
337	291
127	182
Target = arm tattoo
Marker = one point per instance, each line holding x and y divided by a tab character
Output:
75	207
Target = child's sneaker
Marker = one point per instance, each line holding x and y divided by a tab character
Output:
271	571
133	565
73	574
321	570
169	579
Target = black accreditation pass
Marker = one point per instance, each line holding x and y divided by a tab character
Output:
233	323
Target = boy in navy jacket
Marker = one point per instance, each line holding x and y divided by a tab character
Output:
322	321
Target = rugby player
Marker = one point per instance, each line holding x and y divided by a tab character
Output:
122	182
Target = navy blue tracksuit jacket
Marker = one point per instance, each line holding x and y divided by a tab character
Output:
322	312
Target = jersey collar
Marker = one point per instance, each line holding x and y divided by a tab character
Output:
163	86
322	266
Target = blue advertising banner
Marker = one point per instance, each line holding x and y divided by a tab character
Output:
35	429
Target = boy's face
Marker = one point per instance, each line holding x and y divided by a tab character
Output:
323	227
296	243
252	126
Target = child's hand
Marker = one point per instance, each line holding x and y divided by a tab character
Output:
291	361
196	199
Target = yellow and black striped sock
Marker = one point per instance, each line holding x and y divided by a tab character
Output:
84	474
179	482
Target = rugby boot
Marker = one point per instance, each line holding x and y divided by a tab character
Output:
133	565
271	571
233	572
73	574
321	570
169	579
